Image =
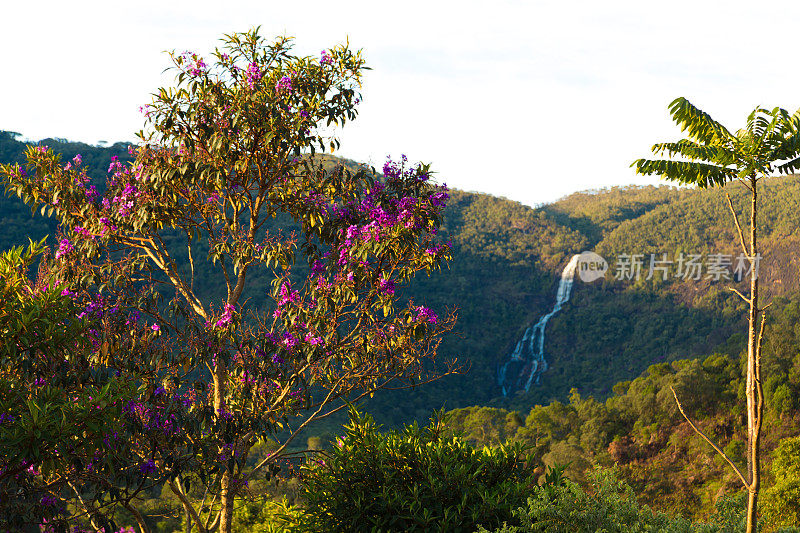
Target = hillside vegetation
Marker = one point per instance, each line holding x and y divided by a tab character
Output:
507	258
506	261
615	349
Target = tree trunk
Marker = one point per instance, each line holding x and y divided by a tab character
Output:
226	492
138	517
754	405
226	501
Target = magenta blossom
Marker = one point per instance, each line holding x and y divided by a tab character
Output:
386	286
288	295
284	84
64	247
226	317
426	314
253	74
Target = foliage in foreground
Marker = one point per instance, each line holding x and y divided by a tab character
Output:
414	479
610	507
210	375
57	410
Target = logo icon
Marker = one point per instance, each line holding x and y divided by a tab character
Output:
591	267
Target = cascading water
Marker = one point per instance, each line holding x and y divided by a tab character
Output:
528	355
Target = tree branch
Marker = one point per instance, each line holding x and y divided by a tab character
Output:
191	264
86	509
708	440
264	461
137	516
738	227
742	296
176	282
187	506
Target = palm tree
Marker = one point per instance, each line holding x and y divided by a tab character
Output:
713	156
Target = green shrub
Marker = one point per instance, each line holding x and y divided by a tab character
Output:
609	507
266	517
417	479
781	502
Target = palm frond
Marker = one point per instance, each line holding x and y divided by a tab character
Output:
698	124
687	172
697	152
759	120
790	166
787	141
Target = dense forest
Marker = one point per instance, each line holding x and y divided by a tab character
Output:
614	349
505	268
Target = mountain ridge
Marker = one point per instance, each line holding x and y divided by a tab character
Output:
507	258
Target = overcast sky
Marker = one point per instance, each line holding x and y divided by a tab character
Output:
528	100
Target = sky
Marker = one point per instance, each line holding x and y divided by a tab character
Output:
530	100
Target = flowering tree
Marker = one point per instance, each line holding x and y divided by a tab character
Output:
223	155
63	433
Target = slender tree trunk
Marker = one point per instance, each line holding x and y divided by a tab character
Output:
226	494
754	405
138	517
226	500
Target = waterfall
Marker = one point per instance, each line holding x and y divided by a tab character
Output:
529	352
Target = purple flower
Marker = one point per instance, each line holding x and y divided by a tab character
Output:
155	327
134	317
130	190
287	295
115	165
198	68
289	341
67	292
440	198
225	319
313	340
253	74
64	247
125	208
91	193
426	314
386	286
77	160
326	58
148	467
284	84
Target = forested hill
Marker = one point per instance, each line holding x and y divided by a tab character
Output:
508	258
